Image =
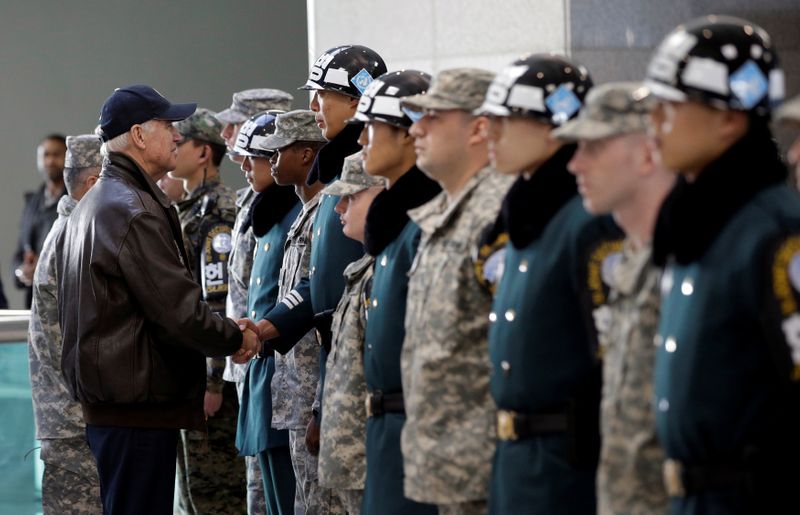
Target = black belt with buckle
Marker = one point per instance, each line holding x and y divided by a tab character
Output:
378	403
516	426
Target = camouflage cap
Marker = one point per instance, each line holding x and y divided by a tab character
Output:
789	111
353	178
251	101
83	151
457	88
203	126
611	109
297	125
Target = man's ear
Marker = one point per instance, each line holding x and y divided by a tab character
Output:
136	137
478	131
733	124
205	153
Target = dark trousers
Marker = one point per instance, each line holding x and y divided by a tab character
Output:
136	468
279	483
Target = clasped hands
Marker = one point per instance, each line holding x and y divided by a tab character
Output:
253	333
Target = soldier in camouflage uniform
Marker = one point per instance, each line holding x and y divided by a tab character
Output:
211	477
448	437
617	174
70	483
296	141
342	451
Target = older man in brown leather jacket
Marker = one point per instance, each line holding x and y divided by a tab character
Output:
135	330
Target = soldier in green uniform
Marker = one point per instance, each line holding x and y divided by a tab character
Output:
391	238
727	371
342	460
295	144
337	78
273	211
617	173
70	483
245	104
448	437
545	254
211	477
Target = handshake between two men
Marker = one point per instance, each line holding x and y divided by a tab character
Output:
253	333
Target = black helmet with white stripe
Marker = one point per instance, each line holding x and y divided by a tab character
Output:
721	61
381	100
545	87
253	132
347	69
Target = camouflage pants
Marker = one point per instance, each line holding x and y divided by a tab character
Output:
70	484
256	503
464	508
351	500
310	498
211	474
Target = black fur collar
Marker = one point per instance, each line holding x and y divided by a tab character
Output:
388	214
328	164
693	214
269	207
531	203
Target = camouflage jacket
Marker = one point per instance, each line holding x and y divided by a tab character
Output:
240	265
449	436
207	218
342	451
629	474
56	414
294	384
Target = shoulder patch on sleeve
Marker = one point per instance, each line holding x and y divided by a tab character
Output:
490	261
786	289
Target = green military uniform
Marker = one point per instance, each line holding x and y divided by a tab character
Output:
274	211
542	344
725	382
393	239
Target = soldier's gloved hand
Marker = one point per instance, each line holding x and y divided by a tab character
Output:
312	437
322	322
212	403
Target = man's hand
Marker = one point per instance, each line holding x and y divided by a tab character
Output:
212	403
25	272
250	347
263	328
312	437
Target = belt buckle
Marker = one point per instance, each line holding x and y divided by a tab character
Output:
368	404
505	425
673	478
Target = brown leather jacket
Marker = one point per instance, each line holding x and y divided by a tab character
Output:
134	327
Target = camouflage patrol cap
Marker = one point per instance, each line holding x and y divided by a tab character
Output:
251	101
457	88
83	151
611	109
789	111
297	125
202	126
353	178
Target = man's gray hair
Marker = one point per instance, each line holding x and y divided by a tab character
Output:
121	142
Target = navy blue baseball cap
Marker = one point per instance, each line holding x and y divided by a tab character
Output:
137	104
